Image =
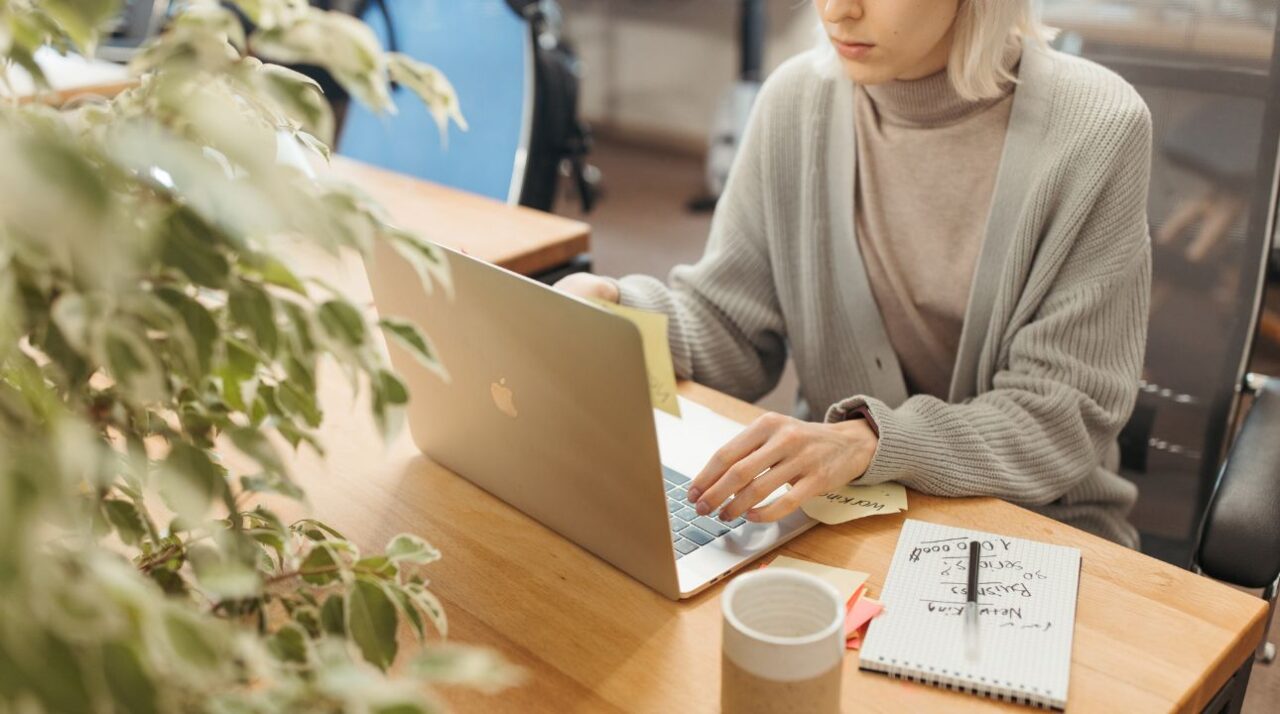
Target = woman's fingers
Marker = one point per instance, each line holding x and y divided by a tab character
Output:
737	448
738	476
760	488
804	489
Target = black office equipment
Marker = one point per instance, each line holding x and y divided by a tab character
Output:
1210	74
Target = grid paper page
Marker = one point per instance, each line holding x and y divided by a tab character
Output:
1027	605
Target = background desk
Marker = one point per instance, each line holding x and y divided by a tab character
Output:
519	239
1149	636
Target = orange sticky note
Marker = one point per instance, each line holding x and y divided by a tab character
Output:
848	605
855	642
860	614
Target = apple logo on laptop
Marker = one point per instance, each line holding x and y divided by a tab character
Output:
502	398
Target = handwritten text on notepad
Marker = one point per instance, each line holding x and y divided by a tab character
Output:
1005	582
1026	607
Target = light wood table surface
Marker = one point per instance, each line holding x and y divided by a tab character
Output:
519	239
1149	637
1194	37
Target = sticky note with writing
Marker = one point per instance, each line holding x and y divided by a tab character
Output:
657	354
846	582
851	502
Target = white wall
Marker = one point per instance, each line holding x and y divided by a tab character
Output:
660	67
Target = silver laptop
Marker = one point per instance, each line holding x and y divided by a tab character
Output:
547	407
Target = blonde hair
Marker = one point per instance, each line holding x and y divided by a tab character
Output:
983	30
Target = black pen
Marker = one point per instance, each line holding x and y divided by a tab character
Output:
971	606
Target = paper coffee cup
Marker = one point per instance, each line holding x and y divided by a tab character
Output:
783	644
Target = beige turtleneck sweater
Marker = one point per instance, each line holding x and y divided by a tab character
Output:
926	164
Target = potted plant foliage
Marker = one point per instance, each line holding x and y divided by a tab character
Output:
150	323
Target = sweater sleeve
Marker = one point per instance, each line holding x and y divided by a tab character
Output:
1070	379
726	326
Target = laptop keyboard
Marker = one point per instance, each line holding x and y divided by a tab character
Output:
689	531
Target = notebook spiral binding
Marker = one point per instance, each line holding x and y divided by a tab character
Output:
914	673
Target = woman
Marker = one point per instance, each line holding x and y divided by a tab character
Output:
944	221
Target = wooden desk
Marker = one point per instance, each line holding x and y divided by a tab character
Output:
1149	636
517	238
70	76
1213	37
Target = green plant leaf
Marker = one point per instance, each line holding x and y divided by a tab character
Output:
371	622
391	389
131	360
251	308
191	245
431	87
171	582
81	19
256	446
428	259
320	567
200	323
223	577
301	98
290	644
333	619
308	618
189	640
315	530
73	313
407	335
272	483
409	548
448	663
296	401
274	272
343	322
407	606
191	481
123	515
130	683
344	45
378	566
430	605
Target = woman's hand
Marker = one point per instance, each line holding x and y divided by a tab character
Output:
588	286
813	458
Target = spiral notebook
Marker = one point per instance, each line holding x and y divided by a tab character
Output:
1027	607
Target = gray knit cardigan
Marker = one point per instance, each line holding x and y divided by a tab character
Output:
1055	329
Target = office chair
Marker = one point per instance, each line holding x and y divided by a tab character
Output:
139	21
509	69
486	51
1206	500
1239	539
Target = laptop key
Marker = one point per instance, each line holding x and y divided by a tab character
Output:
678	525
686	514
736	522
696	535
679	493
685	546
714	527
673	506
671	476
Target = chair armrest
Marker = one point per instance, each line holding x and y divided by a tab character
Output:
1240	534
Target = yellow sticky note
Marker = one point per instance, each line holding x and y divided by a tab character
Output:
657	354
846	582
848	503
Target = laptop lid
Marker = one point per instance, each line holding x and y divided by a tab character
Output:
546	406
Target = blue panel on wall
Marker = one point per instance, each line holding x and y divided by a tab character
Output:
482	46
